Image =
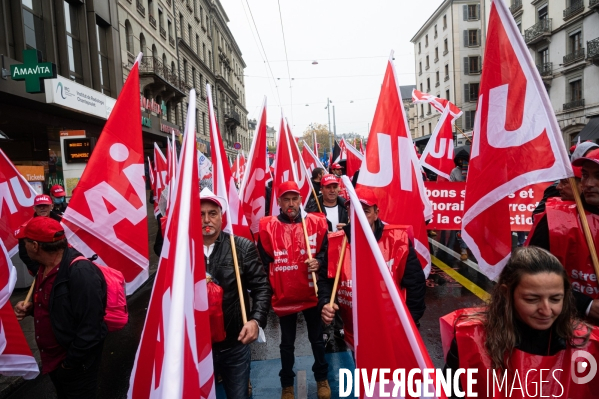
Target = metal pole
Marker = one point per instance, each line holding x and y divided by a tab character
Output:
330	139
334	124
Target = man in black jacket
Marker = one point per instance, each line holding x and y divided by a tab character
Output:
413	279
68	308
232	356
331	204
317	175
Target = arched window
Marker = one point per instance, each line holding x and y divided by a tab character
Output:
129	36
154	52
173	67
142	44
164	63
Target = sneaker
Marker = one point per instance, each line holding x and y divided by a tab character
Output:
464	254
324	390
288	393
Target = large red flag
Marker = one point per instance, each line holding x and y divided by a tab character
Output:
16	203
353	158
107	214
15	356
517	141
174	357
161	175
437	103
438	154
310	159
238	168
391	168
223	185
375	302
289	166
253	186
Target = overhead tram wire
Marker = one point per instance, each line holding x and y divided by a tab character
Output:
286	58
263	50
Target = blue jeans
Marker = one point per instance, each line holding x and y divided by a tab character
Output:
234	367
288	330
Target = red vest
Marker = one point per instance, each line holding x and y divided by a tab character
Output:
293	288
394	245
526	370
567	243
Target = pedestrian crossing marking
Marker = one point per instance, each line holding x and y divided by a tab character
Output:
469	285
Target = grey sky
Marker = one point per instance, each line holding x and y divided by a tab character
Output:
347	38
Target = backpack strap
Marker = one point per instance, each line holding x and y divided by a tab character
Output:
78	259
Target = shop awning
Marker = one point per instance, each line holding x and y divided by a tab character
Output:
591	130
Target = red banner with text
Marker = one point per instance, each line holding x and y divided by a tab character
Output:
448	205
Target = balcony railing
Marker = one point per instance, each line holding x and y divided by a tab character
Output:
516	6
593	47
152	21
171	41
546	69
232	118
576	7
130	58
574	104
574	56
594	4
151	65
538	30
162	32
140	8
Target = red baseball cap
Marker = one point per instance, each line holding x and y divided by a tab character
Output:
366	196
20	232
592	156
42	199
57	191
43	229
329	179
288	186
336	166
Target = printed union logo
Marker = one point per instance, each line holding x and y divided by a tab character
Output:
63	90
589	365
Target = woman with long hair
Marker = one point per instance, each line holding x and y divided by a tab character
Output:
528	333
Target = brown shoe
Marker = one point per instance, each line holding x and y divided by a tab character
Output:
288	393
324	390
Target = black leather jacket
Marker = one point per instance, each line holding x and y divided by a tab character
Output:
253	278
77	308
312	207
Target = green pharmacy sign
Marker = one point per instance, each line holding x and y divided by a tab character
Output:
33	71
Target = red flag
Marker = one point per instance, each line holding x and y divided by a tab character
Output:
238	168
223	185
438	154
16	203
310	160
517	141
391	168
107	214
253	186
437	103
174	357
161	175
15	356
353	158
376	301
289	166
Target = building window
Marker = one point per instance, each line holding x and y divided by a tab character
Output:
189	36
437	75
471	92
427	63
471	12
129	37
181	25
185	71
422	111
204	52
519	25
436	31
170	28
419	48
426	41
101	33
575	42
195	10
430	128
472	65
472	37
142	44
436	54
444	22
575	90
446	71
204	123
429	109
469	119
422	128
201	85
420	67
33	25
150	8
447	94
201	16
542	13
73	43
198	45
428	85
420	87
193	78
160	20
445	47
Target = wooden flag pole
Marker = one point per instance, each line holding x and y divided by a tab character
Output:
339	264
238	276
585	224
463	134
316	198
309	250
28	297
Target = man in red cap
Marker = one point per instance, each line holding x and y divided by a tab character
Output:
558	230
399	254
42	207
330	203
282	246
58	197
68	306
232	356
336	169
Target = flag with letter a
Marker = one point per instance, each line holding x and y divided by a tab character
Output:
174	357
390	168
375	302
107	213
517	141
